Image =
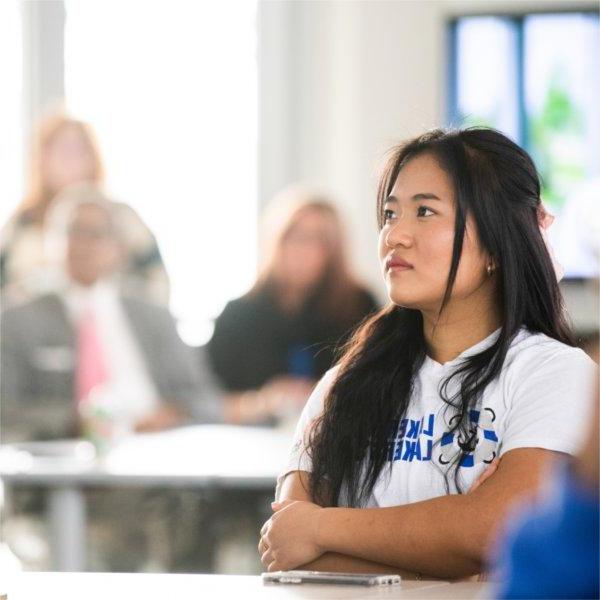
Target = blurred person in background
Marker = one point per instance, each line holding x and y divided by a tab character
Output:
86	337
90	343
551	546
64	152
272	344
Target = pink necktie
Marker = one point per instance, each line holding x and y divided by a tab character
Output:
91	365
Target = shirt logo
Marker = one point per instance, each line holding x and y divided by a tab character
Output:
413	440
481	445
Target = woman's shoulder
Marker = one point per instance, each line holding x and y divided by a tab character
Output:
545	391
529	344
537	350
324	384
249	309
246	303
316	400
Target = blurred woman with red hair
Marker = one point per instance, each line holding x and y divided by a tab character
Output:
65	154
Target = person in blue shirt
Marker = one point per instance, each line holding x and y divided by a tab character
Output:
551	549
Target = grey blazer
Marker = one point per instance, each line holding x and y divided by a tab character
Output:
38	364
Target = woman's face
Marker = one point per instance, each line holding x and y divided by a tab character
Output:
306	249
67	159
415	243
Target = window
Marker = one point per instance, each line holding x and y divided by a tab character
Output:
171	89
11	112
486	92
537	78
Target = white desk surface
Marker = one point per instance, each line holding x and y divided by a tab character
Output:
199	456
117	586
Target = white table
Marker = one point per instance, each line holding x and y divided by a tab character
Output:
206	457
117	586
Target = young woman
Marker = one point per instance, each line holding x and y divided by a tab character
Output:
471	361
272	344
65	157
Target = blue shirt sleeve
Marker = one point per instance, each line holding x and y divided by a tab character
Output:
553	550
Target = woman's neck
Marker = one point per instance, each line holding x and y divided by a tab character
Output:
292	298
458	328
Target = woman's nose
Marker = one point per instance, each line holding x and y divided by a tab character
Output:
399	235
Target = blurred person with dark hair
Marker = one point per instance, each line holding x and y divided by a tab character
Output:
472	360
61	347
65	152
273	343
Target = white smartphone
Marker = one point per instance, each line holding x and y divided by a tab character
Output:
332	578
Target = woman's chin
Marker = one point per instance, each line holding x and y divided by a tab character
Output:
404	302
408	297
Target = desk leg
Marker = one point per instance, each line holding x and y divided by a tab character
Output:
67	520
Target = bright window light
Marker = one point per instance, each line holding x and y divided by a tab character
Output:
11	125
486	72
171	89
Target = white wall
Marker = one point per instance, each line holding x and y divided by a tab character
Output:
341	81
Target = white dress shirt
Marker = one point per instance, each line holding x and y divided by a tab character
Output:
130	387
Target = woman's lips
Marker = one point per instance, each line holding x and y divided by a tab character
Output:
397	264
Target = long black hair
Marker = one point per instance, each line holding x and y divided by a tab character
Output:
496	182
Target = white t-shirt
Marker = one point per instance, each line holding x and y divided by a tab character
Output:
541	399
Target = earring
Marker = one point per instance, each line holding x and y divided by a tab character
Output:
489	269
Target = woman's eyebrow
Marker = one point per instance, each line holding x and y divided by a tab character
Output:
425	196
420	196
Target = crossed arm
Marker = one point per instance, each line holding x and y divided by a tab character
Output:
444	537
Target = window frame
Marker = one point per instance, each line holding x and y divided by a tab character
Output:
517	18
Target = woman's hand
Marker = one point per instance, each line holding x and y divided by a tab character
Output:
277	398
286	394
164	417
289	537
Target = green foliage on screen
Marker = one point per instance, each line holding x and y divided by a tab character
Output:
555	141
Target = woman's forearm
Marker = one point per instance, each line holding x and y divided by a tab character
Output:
448	536
341	563
409	537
